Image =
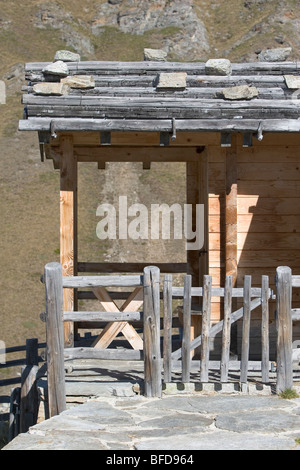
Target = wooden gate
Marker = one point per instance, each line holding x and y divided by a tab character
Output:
251	297
117	321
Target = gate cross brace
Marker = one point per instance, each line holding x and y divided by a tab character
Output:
112	329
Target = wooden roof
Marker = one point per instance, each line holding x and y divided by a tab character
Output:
126	97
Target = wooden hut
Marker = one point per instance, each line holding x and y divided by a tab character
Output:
235	125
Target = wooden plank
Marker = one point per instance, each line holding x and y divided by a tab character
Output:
167	317
99	353
265	350
103	316
206	309
55	339
152	354
285	328
68	224
246	330
268	205
186	339
224	365
296	281
102	281
161	125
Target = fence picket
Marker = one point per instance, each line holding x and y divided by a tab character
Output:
167	341
226	329
265	328
186	340
246	329
205	328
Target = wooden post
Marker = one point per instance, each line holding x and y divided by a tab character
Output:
265	329
205	328
167	342
29	392
55	338
226	329
68	225
285	328
152	354
186	340
231	211
197	193
246	329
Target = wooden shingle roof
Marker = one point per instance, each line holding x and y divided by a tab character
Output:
126	96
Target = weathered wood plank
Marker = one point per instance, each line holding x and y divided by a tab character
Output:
226	333
246	329
55	338
99	353
265	353
206	309
167	319
103	316
102	281
153	125
285	328
186	339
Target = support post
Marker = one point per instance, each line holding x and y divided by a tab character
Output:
284	328
55	338
186	340
152	354
68	225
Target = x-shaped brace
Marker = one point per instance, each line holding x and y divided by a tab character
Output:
112	329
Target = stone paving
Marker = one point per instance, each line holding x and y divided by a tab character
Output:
186	422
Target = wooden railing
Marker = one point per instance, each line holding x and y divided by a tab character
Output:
157	365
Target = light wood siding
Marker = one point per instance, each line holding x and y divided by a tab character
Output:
268	176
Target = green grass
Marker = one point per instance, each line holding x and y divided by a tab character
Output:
289	394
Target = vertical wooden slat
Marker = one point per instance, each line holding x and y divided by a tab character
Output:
205	328
68	224
186	340
284	326
152	354
246	329
55	338
167	341
265	328
226	329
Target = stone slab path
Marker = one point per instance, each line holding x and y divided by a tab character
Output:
186	422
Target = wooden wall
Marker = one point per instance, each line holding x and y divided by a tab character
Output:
268	212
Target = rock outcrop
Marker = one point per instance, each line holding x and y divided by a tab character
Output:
189	35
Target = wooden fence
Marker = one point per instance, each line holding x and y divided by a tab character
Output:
251	297
158	366
55	316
